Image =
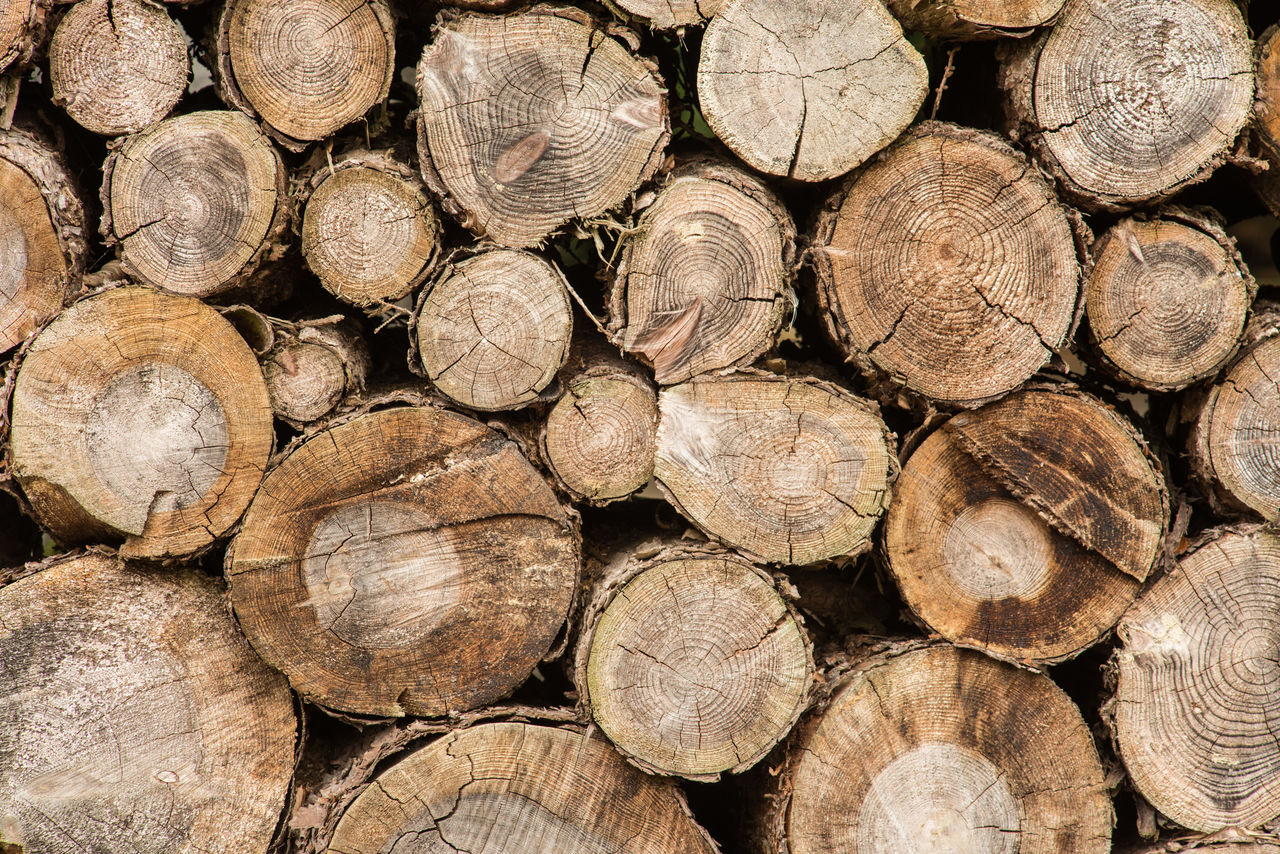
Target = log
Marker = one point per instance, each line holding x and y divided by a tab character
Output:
312	366
935	750
667	14
136	716
23	25
518	788
1167	299
810	89
1195	708
974	20
1266	107
369	232
196	204
788	471
947	266
42	235
140	415
118	66
1026	528
491	331
691	661
305	68
1127	103
704	279
533	119
405	562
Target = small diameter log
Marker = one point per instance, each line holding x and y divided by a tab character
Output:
306	68
196	203
1196	707
517	788
312	366
536	118
691	662
704	279
118	66
22	31
1266	106
809	89
1167	299
938	750
1026	527
971	20
667	14
140	415
409	561
1129	101
369	232
789	471
492	330
42	236
948	266
136	718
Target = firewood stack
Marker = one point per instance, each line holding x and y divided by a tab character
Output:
821	427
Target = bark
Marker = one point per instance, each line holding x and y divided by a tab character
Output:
667	14
491	330
948	266
704	281
1127	103
306	68
973	20
533	119
671	711
23	28
938	749
1195	709
42	235
196	205
1264	845
406	561
1266	108
137	718
312	366
1027	527
1168	298
787	470
810	89
140	415
118	66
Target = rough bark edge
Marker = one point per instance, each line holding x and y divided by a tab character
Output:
634	19
940	20
32	43
634	559
1229	841
335	333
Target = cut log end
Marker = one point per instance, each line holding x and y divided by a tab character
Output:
601	435
22	24
311	368
972	20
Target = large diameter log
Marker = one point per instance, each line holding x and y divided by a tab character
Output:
42	235
118	66
195	203
517	788
533	119
135	717
971	20
938	750
140	415
704	279
1167	299
1129	101
691	661
408	561
306	68
1026	527
948	266
22	30
808	89
668	14
1196	705
789	471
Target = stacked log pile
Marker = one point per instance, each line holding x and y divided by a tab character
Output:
685	426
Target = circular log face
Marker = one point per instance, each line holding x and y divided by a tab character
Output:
600	436
942	750
495	328
793	472
998	522
1240	423
134	717
669	14
974	18
309	67
1198	699
15	19
1167	302
191	200
533	119
950	265
809	89
142	413
35	276
407	562
1134	97
118	66
305	380
697	666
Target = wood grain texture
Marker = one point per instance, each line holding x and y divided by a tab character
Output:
667	14
312	365
973	20
22	28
